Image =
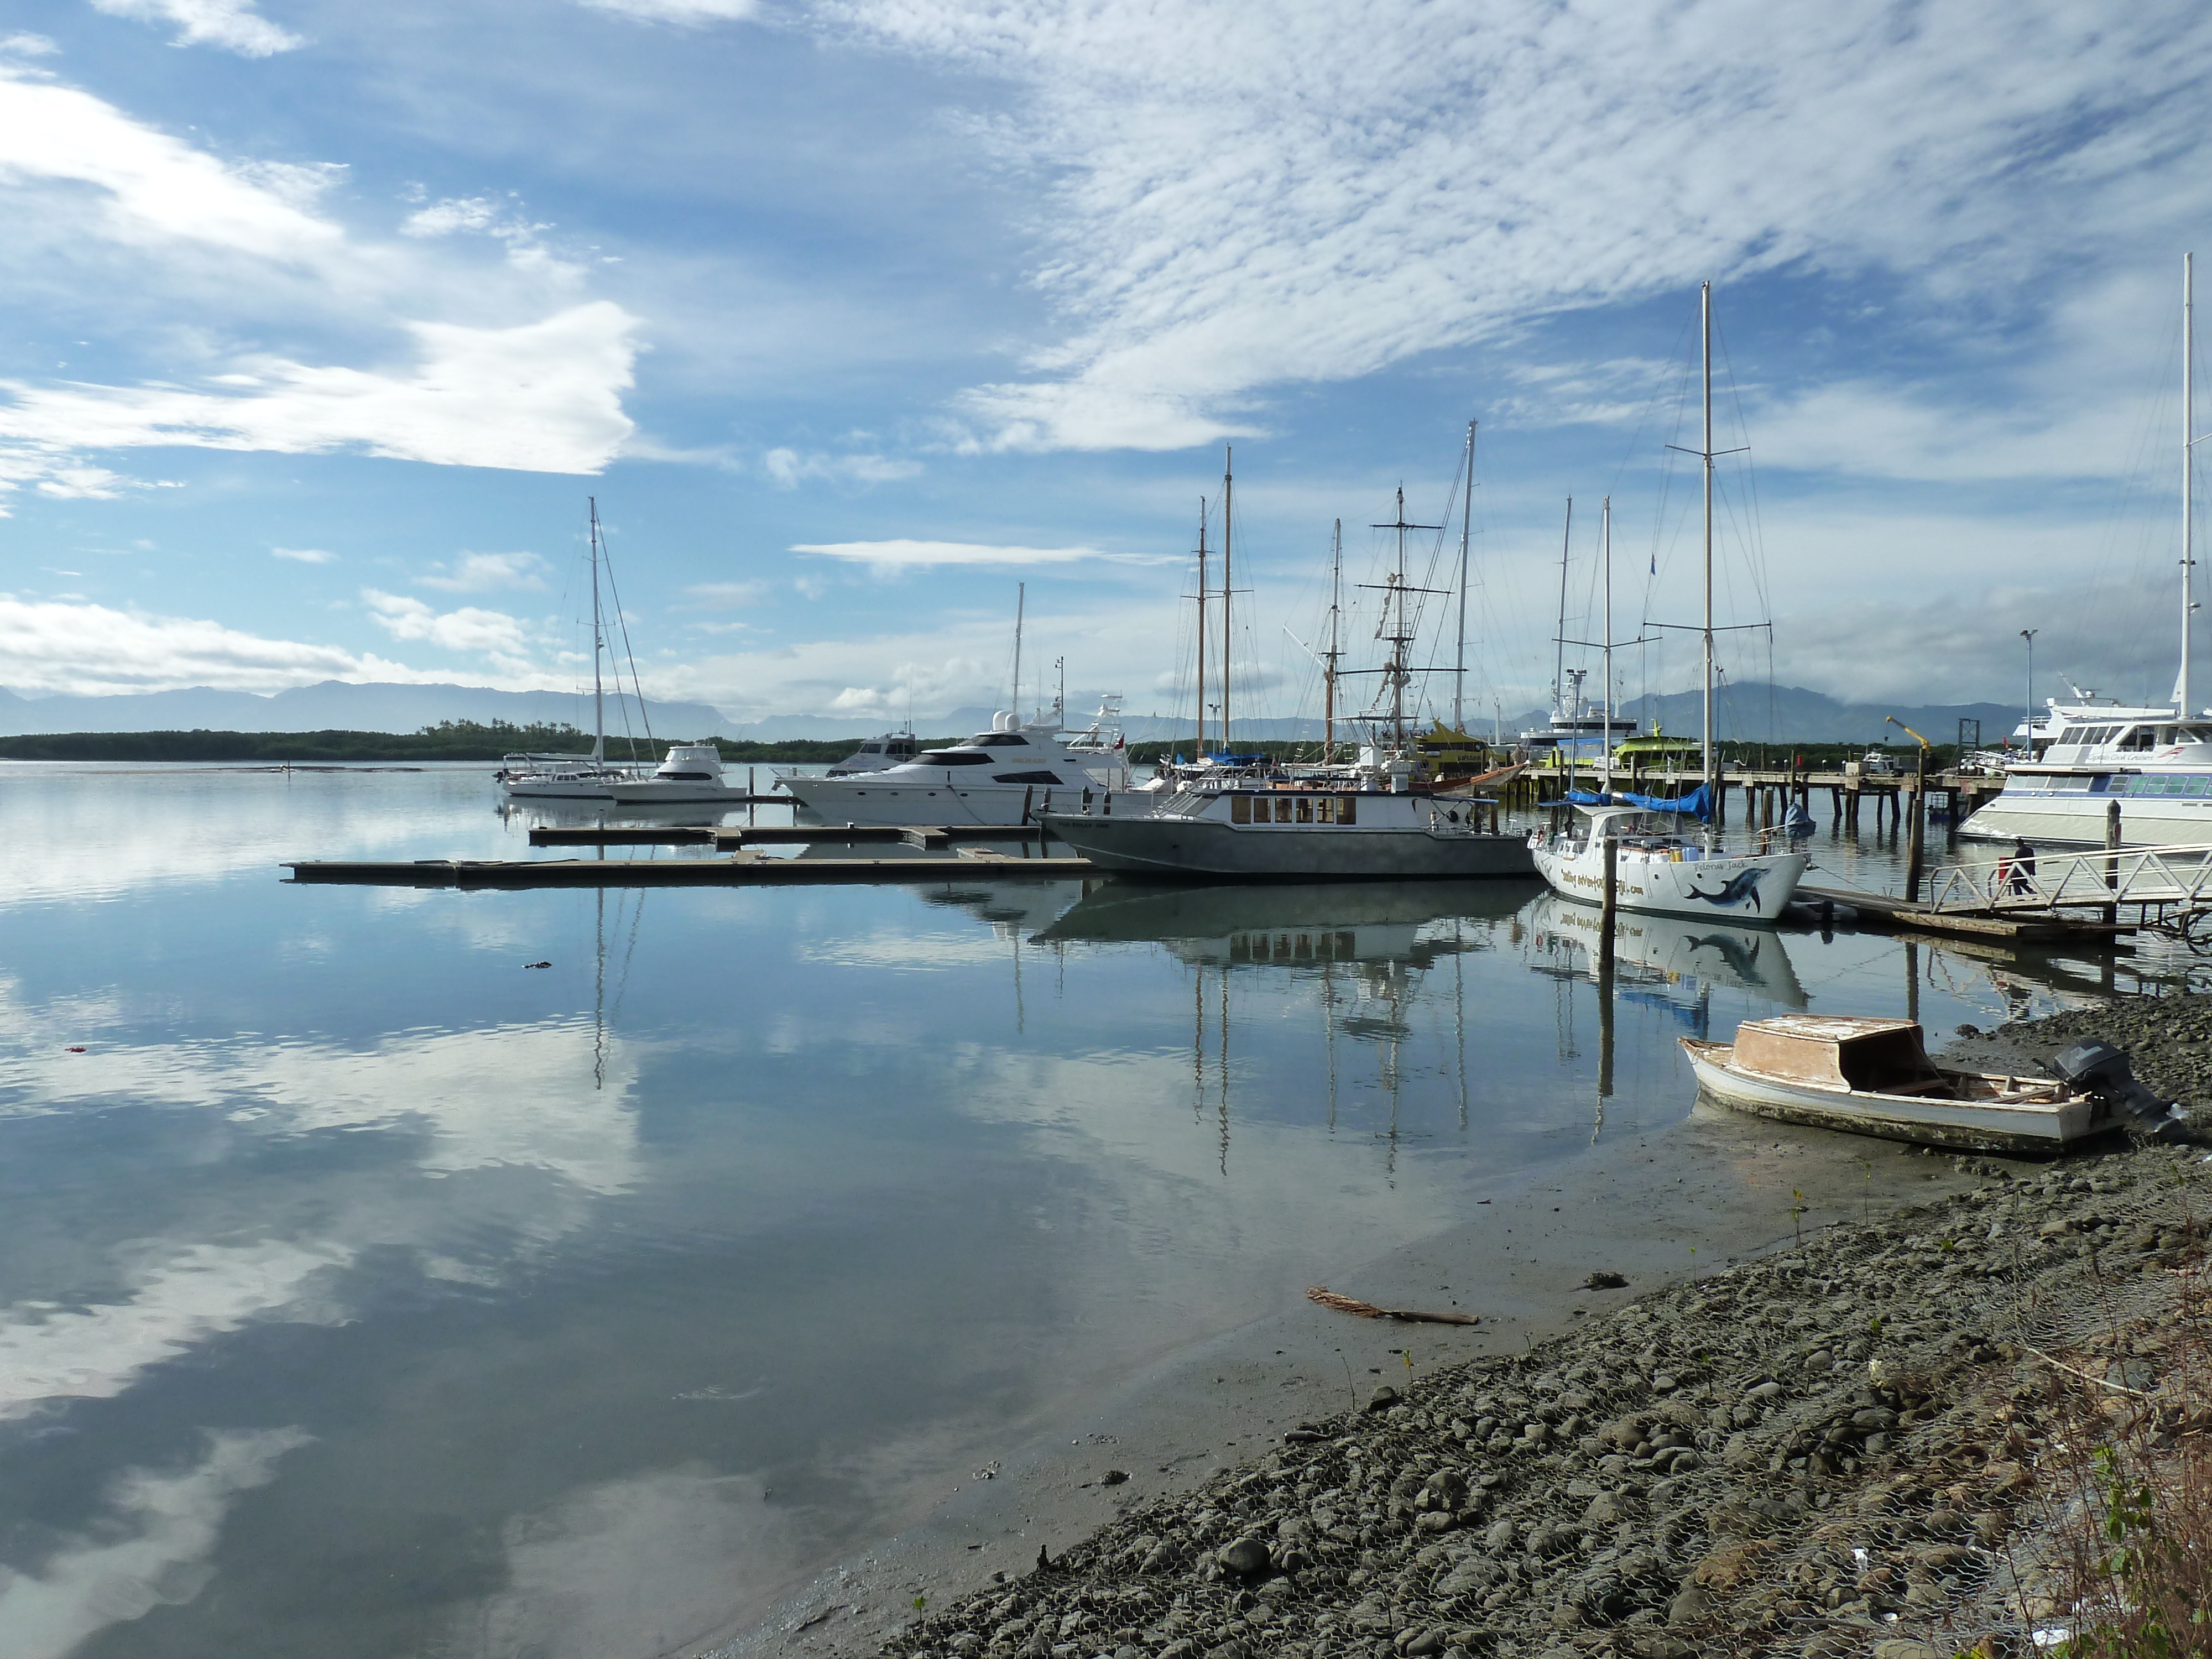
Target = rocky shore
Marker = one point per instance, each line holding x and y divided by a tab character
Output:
1833	1449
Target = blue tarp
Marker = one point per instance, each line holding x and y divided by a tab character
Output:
1697	804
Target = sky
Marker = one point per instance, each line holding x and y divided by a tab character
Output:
325	320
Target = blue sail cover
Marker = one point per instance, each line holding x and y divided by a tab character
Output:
1697	804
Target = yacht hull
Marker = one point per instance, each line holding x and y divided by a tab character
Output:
2178	821
1178	846
868	800
1752	888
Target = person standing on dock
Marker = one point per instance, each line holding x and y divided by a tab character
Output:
2021	877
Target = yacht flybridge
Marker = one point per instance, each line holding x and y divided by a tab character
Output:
2084	755
1654	869
1002	776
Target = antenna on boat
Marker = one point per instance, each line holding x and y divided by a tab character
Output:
1466	519
1021	601
2188	471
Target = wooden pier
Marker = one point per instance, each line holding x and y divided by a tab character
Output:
730	840
742	869
1886	912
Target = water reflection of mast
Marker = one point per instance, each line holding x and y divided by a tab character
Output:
1224	1069
1458	977
1329	1030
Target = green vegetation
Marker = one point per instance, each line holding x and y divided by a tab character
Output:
449	740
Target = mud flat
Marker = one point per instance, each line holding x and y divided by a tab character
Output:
1833	1447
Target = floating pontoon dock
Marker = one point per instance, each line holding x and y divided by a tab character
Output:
743	869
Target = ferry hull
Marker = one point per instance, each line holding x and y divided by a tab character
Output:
2145	821
1202	847
1975	1125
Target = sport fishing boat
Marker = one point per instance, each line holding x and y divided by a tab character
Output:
1002	776
1657	869
2083	756
540	777
691	772
1874	1077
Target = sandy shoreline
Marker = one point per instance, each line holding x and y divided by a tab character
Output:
1781	1431
1658	1206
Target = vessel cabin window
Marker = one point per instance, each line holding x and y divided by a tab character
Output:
1325	809
1284	805
2173	734
871	749
1240	809
951	757
999	740
2139	737
1347	809
1305	809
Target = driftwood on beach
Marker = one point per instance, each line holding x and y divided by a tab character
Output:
1329	1299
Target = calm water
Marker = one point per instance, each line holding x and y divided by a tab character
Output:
364	1292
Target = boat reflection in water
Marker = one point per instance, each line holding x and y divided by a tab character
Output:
1667	964
1374	952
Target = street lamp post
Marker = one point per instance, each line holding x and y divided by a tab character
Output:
2028	737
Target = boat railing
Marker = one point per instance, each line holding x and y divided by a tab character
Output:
2150	877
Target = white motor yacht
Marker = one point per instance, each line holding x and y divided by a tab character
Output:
691	772
2155	762
1006	775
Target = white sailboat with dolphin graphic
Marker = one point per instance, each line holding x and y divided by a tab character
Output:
1656	869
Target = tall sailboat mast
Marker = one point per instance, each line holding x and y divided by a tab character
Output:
1200	755
1228	484
1466	519
1605	538
1559	657
2188	471
1399	673
1329	672
598	643
1705	332
1021	603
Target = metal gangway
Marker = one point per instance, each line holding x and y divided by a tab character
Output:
2165	888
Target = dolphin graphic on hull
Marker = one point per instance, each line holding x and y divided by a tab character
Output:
1740	887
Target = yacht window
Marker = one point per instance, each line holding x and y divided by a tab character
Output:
1347	809
951	757
1305	810
1325	809
1000	740
1240	809
1026	777
871	749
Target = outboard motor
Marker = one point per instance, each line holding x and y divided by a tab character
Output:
2101	1069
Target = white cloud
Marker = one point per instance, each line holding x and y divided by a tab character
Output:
789	468
151	1549
92	650
494	633
693	12
154	188
477	573
727	596
232	24
545	396
29	46
304	555
909	555
1234	207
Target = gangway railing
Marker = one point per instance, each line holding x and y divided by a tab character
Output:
2153	881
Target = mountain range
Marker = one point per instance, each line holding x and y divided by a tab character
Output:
1756	713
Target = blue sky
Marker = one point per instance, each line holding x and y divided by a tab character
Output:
323	320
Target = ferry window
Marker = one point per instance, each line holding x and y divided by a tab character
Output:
2138	736
1325	810
1347	809
2193	734
1284	810
1305	810
1240	809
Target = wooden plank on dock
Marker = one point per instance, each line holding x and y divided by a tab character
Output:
1880	910
742	869
622	835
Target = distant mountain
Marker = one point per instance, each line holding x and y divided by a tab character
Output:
1760	713
336	706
